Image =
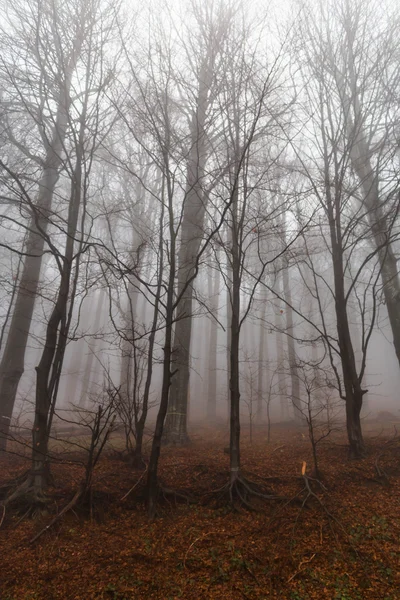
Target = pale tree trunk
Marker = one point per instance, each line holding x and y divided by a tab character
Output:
213	291
262	356
294	377
282	386
92	348
74	364
12	362
127	344
380	227
380	223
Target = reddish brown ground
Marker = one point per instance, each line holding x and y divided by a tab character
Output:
200	552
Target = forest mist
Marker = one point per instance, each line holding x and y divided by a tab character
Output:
199	219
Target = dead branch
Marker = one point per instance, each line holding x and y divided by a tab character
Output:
134	486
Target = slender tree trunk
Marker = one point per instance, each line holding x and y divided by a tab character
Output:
49	368
228	325
12	362
234	354
152	485
92	348
294	377
282	387
140	425
381	231
55	343
352	385
127	344
380	223
213	290
262	355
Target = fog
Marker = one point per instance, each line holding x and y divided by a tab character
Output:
199	214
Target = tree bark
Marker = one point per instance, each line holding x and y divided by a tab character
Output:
380	223
191	237
49	367
352	384
234	384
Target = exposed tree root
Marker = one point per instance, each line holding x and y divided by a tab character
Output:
239	492
71	504
27	497
166	496
82	500
306	495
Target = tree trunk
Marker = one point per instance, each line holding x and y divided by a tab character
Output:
234	354
140	425
360	155
262	352
352	385
282	387
12	362
213	290
191	237
296	400
228	325
48	370
92	347
152	486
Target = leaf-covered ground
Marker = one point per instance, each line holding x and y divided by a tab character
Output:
346	548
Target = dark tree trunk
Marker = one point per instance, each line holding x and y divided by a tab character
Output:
152	477
140	425
12	362
191	237
352	384
234	354
48	370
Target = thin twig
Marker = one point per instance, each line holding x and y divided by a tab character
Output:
3	515
134	486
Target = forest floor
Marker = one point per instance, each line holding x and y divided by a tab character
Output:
344	548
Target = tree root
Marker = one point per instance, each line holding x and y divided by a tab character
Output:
306	495
166	496
239	492
27	498
71	504
381	475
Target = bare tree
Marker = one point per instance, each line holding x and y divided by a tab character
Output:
213	22
49	37
88	123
